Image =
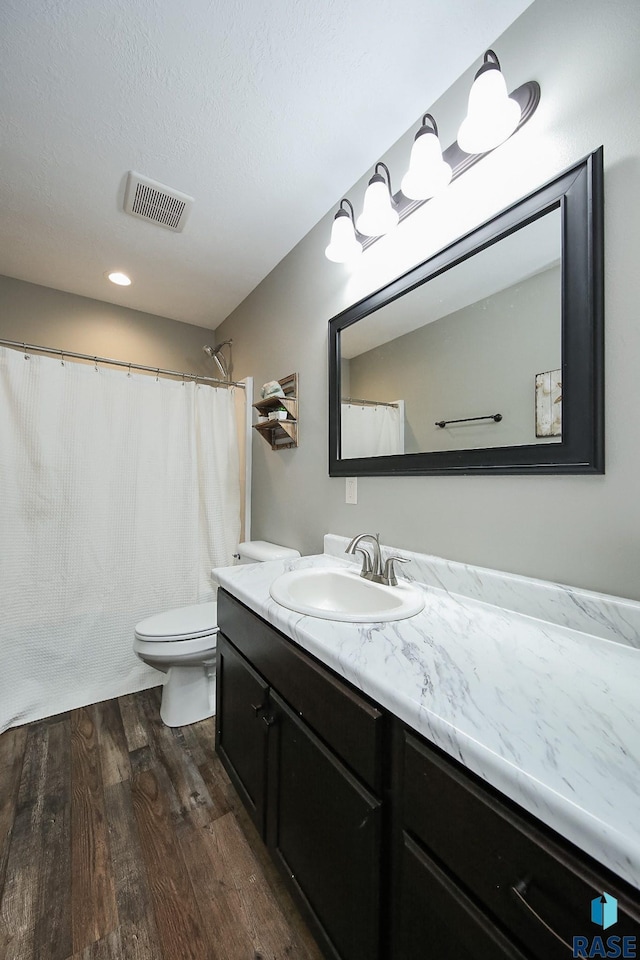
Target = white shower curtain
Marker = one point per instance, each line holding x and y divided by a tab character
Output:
118	493
372	431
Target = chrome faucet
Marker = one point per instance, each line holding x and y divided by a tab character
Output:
372	565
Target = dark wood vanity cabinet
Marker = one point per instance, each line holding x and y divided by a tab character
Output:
472	867
393	850
285	734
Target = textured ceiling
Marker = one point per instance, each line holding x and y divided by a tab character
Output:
264	112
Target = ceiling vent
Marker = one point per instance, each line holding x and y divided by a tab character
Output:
156	203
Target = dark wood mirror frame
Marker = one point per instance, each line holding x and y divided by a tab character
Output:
578	192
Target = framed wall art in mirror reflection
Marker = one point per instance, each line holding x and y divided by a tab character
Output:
549	404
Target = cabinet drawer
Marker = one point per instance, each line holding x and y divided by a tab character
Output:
435	918
344	719
534	885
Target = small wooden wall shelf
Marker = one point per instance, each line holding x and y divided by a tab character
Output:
281	434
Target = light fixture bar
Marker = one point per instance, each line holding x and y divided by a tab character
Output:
528	98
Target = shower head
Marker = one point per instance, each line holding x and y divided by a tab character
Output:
211	351
218	358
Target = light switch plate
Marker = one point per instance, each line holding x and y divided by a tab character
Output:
351	490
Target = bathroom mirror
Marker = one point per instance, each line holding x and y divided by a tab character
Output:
488	356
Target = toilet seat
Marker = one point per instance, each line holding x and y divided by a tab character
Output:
193	650
199	620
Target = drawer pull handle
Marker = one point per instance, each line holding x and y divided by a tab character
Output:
518	890
269	721
257	707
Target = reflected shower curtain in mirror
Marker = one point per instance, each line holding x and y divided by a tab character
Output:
118	494
372	430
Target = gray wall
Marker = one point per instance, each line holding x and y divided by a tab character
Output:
52	318
580	530
480	360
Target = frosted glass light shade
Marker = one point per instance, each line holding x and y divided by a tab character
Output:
378	216
343	246
492	115
428	173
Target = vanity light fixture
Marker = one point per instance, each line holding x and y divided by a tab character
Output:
493	116
428	173
121	279
343	246
379	215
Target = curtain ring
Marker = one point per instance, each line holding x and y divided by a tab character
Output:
157	374
95	364
183	376
26	355
61	359
129	374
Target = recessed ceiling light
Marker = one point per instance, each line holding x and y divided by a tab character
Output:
120	278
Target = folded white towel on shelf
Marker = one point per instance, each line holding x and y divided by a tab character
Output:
271	389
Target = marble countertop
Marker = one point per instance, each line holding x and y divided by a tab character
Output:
536	691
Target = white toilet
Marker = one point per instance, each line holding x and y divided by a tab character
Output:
182	643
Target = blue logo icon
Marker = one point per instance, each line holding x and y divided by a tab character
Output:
604	910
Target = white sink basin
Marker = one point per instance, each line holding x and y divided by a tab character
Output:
339	594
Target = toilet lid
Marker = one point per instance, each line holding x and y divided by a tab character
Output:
184	623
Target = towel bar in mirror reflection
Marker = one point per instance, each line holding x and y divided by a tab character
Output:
471	329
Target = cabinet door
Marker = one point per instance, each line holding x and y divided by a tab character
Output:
324	832
242	728
435	919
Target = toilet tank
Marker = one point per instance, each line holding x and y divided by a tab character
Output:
256	551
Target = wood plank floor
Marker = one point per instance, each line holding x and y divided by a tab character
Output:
122	839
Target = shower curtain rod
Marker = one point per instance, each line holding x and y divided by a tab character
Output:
159	371
368	403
